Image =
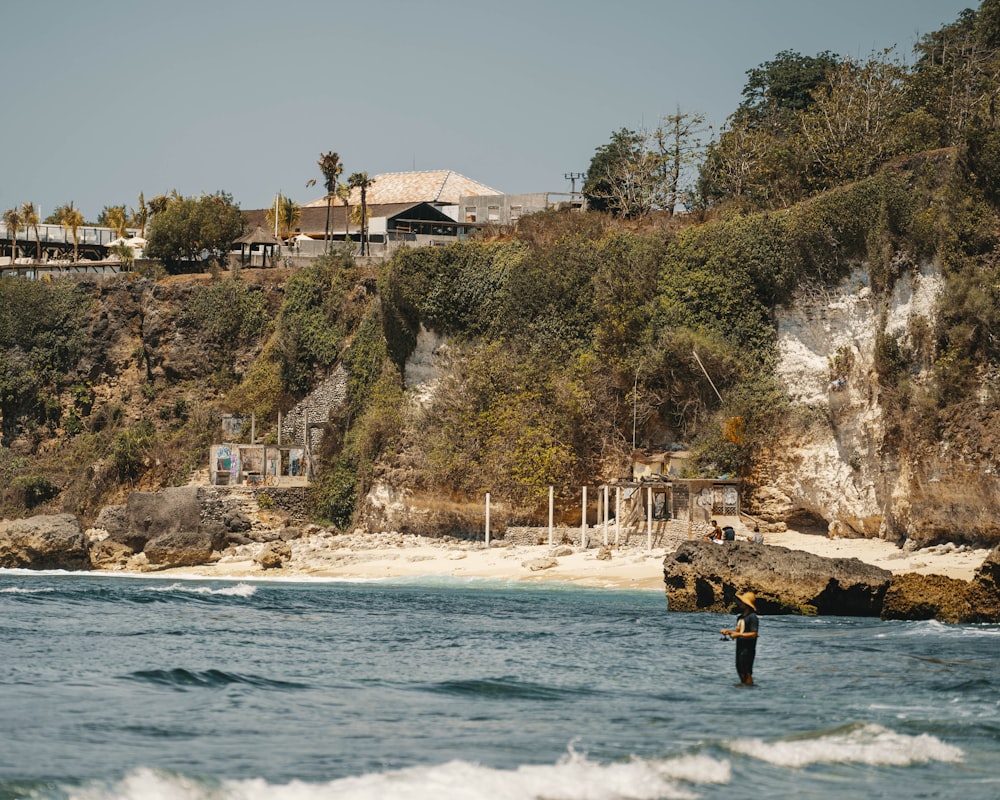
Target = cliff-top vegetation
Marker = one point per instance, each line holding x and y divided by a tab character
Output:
649	322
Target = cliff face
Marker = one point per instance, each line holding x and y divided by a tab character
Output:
841	461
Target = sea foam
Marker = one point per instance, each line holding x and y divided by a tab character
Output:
572	778
239	590
855	744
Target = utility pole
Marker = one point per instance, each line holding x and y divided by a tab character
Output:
572	178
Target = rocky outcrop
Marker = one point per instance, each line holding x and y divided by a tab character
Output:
841	461
44	542
274	555
914	596
703	576
179	549
150	515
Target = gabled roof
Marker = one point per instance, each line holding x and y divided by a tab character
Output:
439	187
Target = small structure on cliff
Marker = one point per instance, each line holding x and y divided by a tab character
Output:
233	464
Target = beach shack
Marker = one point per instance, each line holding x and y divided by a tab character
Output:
233	464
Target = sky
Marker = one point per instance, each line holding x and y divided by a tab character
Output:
105	99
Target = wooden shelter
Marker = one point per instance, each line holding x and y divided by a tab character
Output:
257	238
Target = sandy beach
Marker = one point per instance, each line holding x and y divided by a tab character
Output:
325	555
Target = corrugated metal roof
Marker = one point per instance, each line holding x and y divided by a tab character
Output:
441	187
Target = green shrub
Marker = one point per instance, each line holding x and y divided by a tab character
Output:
129	450
35	490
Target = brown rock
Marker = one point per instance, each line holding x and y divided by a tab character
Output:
703	576
536	564
109	554
274	555
179	550
914	596
44	542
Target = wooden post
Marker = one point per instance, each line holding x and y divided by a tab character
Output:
606	514
618	513
551	513
487	519
253	427
279	429
600	511
583	525
649	518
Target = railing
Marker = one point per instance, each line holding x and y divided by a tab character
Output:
57	234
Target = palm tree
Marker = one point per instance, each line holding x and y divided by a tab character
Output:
29	216
360	180
115	219
14	221
71	220
289	214
140	215
331	167
284	216
344	196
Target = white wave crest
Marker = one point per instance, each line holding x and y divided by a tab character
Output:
572	778
239	590
20	590
858	744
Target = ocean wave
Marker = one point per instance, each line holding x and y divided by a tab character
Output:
209	678
571	778
21	590
854	744
506	688
239	590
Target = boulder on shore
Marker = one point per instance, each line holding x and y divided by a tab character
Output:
149	515
54	541
704	576
180	549
913	596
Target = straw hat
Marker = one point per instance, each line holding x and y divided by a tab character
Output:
749	598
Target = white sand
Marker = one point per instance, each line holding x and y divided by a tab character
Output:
326	556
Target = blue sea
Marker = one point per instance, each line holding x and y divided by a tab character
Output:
136	687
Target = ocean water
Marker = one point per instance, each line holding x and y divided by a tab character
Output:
119	687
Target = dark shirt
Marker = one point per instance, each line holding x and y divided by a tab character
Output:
747	644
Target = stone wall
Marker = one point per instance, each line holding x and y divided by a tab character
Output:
330	395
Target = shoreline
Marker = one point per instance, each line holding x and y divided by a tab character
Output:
327	556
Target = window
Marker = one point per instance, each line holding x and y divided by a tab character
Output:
470	213
515	213
493	213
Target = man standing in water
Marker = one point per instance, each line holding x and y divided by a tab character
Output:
745	635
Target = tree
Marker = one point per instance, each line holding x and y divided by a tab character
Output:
72	220
197	230
55	216
286	213
784	86
30	218
851	126
331	167
139	216
15	222
113	217
618	180
361	181
344	196
677	138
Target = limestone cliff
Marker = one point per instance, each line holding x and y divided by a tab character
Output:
841	461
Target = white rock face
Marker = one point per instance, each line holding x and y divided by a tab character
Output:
424	366
826	342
